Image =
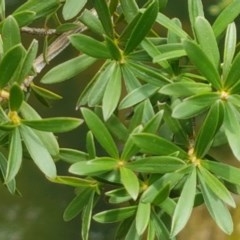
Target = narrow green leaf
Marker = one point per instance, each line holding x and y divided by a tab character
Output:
24	18
71	8
207	40
77	204
94	167
139	94
11	185
90	46
73	181
67	69
104	16
112	93
15	156
142	27
227	16
27	63
210	126
91	21
130	9
185	89
118	195
217	187
130	182
229	48
13	56
232	128
34	146
16	97
115	215
224	171
156	164
43	92
185	204
100	132
154	144
194	105
72	155
2	9
114	49
169	56
87	217
171	26
233	77
57	124
90	145
47	138
10	33
201	60
195	9
96	92
142	217
216	208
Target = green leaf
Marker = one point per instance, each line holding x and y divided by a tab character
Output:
118	195
90	145
43	92
67	69
227	16
142	27
94	167
90	46
224	171
91	21
130	9
87	217
71	8
171	25
169	56
194	105
232	128
2	9
16	97
15	156
24	18
104	16
229	49
201	60
11	185
115	215
216	208
47	138
96	92
77	204
13	56
139	94
57	124
185	204
142	217
130	182
207	40
112	93
185	89
154	144
73	181
195	9
41	8
71	155
34	146
217	187
114	50
27	63
100	132
10	33
233	78
210	126
156	164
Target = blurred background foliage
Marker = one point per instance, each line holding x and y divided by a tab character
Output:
38	214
